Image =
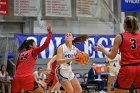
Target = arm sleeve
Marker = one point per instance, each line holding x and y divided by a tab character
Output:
36	51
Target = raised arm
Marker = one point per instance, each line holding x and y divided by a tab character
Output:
36	51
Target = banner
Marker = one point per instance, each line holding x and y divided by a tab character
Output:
88	46
130	5
4	7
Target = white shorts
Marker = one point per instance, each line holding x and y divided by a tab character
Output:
114	71
64	74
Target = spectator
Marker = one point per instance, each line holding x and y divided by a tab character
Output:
39	76
92	75
4	79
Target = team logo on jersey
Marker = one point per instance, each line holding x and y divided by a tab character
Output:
68	55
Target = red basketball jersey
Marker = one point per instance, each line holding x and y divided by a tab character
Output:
25	64
130	48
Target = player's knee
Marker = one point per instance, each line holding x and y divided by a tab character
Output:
70	91
78	90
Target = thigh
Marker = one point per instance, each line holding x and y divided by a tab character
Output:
76	85
111	79
67	86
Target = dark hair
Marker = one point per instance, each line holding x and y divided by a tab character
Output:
26	45
2	66
79	39
132	24
55	51
39	68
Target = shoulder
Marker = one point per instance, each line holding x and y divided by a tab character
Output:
60	48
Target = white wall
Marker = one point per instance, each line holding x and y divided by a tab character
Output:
76	27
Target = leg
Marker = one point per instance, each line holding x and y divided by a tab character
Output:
138	90
9	88
67	86
3	87
63	91
109	83
120	91
50	89
38	90
76	85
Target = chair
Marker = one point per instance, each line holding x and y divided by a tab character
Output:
87	87
79	76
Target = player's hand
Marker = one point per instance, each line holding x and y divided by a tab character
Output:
99	48
49	28
75	58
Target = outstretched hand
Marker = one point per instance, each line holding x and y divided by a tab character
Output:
99	48
49	28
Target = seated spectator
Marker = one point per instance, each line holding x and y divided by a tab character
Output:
4	79
39	76
93	75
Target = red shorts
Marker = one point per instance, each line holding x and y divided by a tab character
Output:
26	83
128	76
52	80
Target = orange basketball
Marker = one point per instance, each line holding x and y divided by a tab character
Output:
83	57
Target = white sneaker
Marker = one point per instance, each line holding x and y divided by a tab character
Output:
102	91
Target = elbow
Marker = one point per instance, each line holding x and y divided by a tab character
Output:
58	61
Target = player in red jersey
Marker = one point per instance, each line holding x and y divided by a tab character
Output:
129	45
23	78
52	82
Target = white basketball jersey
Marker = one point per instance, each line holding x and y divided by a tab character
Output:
114	62
3	76
67	54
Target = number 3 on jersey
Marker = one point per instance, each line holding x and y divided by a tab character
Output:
133	45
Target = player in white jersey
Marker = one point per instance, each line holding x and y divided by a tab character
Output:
114	69
66	53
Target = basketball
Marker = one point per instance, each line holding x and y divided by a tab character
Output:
83	57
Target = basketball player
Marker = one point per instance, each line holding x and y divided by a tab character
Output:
23	78
114	69
65	55
129	45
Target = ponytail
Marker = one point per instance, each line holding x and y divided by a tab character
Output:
132	24
81	38
22	47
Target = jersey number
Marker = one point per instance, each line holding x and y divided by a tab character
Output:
24	57
133	41
68	63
